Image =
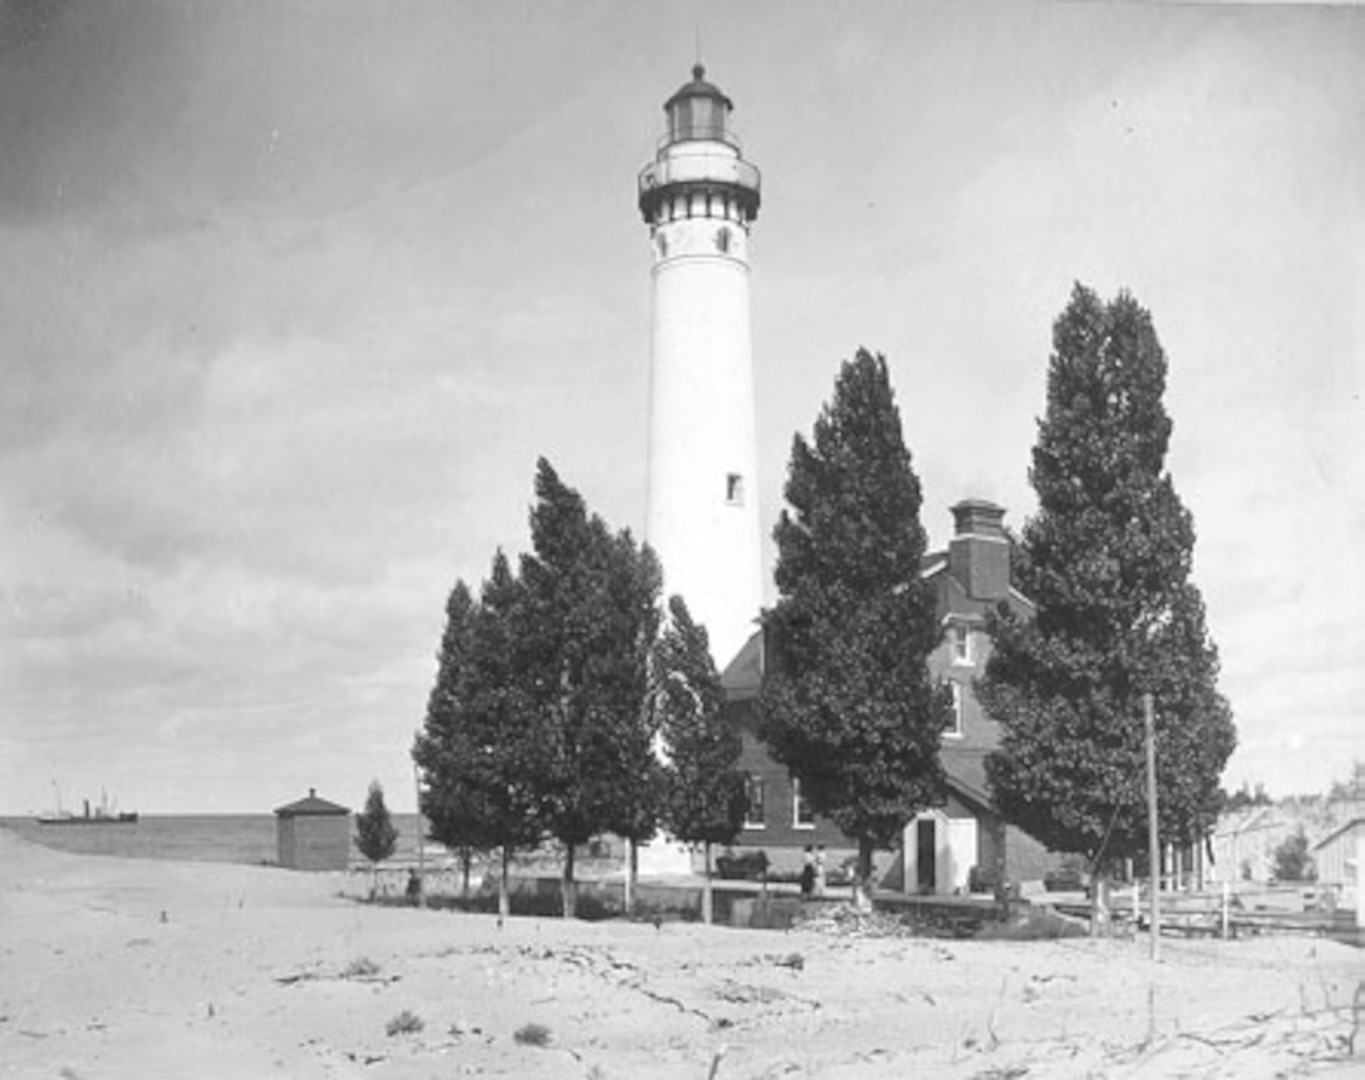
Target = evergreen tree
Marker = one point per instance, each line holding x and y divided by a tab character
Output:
591	617
631	591
375	835
705	799
455	818
848	704
1107	562
481	754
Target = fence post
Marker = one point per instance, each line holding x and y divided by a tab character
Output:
1227	888
1154	852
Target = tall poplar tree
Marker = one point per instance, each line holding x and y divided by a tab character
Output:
456	819
704	791
1107	562
591	618
482	753
630	617
848	704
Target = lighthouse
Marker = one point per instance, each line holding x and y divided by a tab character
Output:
699	197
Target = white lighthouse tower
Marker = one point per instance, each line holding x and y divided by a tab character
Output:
699	198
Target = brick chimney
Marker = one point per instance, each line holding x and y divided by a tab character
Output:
979	553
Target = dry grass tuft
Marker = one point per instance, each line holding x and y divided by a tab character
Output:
363	968
533	1035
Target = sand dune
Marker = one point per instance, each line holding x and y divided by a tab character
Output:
124	968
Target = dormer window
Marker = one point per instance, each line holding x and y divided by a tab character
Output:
962	644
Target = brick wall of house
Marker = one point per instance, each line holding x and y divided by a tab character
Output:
779	828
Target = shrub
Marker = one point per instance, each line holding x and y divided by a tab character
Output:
360	969
405	1023
1292	860
751	865
533	1035
983	879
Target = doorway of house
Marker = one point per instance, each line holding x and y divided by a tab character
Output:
924	856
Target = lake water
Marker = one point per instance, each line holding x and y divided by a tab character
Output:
231	838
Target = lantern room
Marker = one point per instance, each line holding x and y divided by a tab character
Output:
698	111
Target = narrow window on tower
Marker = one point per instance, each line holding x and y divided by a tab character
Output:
734	489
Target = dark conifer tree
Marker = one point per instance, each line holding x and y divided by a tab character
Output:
1107	562
375	835
628	726
704	791
482	754
456	819
848	704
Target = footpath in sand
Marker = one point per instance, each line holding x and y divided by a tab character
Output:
123	968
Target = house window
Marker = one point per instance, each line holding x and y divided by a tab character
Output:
954	728
753	790
962	644
802	815
734	489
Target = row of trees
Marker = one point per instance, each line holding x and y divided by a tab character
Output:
556	683
553	689
848	704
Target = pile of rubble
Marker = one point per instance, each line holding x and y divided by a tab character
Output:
845	920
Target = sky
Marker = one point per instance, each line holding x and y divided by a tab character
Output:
293	295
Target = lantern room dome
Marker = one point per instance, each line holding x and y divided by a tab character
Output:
699	110
699	87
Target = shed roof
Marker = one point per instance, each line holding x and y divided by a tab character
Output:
311	806
1345	829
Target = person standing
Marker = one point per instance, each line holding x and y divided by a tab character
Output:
808	874
820	872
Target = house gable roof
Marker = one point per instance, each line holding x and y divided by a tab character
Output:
1348	827
743	676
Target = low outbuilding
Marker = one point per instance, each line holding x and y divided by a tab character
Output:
313	834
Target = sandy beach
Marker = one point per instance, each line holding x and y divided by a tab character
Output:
127	968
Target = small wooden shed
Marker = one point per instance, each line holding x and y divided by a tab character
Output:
313	834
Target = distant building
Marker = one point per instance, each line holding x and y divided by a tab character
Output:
313	834
941	846
1335	856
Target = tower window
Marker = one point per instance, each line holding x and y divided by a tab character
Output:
734	489
723	241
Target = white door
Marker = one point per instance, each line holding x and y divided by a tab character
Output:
957	856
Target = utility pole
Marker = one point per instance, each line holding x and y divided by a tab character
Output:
421	846
1153	844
